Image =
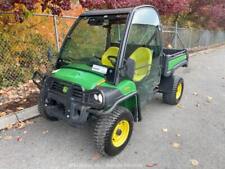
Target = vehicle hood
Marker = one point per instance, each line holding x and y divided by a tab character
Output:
85	79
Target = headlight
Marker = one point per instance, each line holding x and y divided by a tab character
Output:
95	99
98	98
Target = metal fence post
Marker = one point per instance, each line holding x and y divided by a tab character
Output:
176	33
190	38
55	19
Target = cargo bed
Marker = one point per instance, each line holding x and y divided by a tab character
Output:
173	59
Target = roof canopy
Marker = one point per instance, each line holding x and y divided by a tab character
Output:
114	11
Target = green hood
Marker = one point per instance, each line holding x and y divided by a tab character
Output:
86	79
83	75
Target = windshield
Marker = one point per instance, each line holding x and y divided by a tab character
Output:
86	41
94	38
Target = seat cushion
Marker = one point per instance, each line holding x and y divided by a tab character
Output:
143	60
112	51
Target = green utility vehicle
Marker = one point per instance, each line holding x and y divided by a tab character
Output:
110	65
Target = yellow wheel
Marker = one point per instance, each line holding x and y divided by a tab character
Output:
179	90
174	90
120	133
112	132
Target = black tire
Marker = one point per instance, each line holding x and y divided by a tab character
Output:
105	128
170	96
41	106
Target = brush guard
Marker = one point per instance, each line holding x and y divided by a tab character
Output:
38	79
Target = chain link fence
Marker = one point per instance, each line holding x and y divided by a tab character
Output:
24	47
189	38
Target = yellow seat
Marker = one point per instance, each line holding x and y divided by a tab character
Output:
142	58
112	51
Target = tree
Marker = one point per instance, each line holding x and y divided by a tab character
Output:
208	13
21	7
165	7
202	13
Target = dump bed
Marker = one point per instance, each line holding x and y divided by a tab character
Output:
173	59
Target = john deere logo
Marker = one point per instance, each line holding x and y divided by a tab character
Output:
65	89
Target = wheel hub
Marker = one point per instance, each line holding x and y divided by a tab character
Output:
120	133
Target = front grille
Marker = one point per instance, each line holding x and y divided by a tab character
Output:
86	98
75	90
56	86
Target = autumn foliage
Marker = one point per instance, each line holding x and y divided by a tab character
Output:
20	7
56	6
210	14
165	7
202	13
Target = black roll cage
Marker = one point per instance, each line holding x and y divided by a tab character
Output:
121	56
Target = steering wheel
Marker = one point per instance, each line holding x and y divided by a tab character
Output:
112	59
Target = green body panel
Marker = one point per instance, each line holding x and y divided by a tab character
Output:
88	80
129	103
125	87
175	61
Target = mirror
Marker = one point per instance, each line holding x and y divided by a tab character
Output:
130	68
50	54
97	21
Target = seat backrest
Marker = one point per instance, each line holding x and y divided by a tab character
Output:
142	58
112	51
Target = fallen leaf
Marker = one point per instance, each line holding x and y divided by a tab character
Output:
17	100
2	114
9	126
149	165
165	130
45	132
20	125
20	108
180	106
24	100
9	111
197	105
195	94
19	138
178	135
28	122
209	99
7	138
96	156
30	81
175	145
194	162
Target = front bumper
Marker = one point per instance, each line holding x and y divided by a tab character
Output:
66	101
